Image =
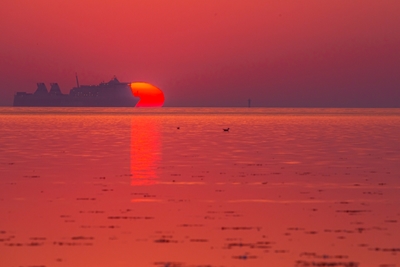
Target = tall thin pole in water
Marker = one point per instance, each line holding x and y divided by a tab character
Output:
77	81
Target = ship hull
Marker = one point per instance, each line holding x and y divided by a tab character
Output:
111	94
68	101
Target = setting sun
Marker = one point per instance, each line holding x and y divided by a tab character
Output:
150	96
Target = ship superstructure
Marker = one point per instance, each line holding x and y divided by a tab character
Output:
110	94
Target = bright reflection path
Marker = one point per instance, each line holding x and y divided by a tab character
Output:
145	150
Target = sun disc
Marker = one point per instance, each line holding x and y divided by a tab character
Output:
150	95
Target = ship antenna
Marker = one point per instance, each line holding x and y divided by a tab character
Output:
77	81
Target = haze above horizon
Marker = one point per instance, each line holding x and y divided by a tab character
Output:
209	53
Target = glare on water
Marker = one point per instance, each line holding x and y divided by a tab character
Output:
169	187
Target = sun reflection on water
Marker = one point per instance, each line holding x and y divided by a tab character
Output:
145	153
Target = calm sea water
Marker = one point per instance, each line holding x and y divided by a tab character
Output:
126	187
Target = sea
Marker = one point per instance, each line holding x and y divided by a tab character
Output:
169	187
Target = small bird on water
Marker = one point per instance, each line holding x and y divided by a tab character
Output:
178	127
226	130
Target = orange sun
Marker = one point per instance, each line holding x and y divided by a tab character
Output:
150	96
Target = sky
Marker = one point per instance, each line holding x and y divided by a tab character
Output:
209	53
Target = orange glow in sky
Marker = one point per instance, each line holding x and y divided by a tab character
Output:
209	53
150	96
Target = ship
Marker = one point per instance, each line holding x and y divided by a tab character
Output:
106	94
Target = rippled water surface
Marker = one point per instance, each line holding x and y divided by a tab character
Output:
169	188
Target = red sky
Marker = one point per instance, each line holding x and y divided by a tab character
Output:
209	53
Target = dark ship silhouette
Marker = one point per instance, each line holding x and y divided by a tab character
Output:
110	94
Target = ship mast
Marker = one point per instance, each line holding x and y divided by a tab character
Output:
77	81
